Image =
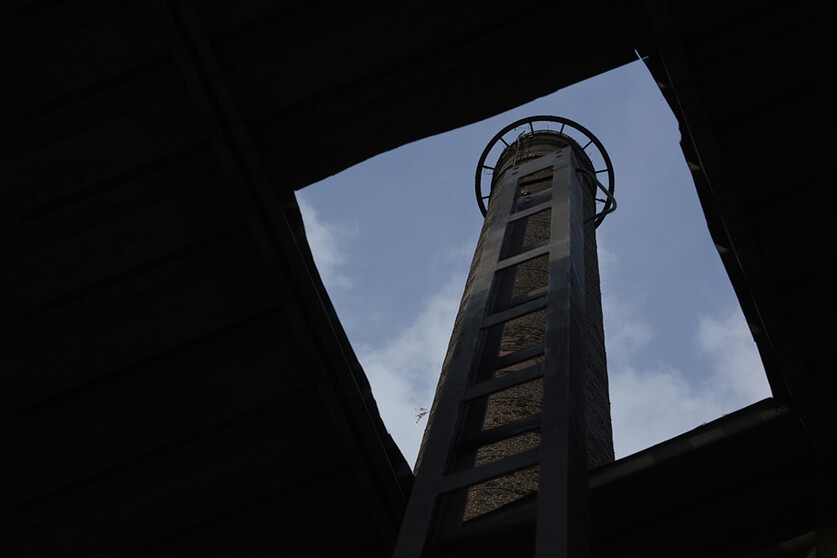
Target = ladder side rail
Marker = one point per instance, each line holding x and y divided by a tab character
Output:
422	506
562	523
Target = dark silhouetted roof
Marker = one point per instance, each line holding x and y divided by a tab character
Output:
187	388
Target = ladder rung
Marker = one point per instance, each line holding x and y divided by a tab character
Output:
518	514
529	211
531	295
534	251
515	311
503	382
476	475
519	356
508	430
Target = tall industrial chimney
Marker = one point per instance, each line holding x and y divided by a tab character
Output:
522	407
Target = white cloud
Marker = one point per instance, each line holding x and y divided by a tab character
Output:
404	371
727	341
328	243
650	406
653	402
626	333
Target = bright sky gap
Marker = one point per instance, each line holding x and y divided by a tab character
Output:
393	239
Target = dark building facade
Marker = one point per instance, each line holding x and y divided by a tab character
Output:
186	387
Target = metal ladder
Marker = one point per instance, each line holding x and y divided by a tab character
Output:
434	523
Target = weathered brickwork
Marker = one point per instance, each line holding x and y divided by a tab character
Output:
524	400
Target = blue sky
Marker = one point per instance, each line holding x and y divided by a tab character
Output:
393	238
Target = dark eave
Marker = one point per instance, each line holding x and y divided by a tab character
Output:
733	487
187	387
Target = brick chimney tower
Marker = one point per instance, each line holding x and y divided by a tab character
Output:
522	409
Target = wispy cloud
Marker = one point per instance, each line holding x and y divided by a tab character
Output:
404	371
727	341
403	368
653	405
626	333
329	245
652	402
652	399
658	392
